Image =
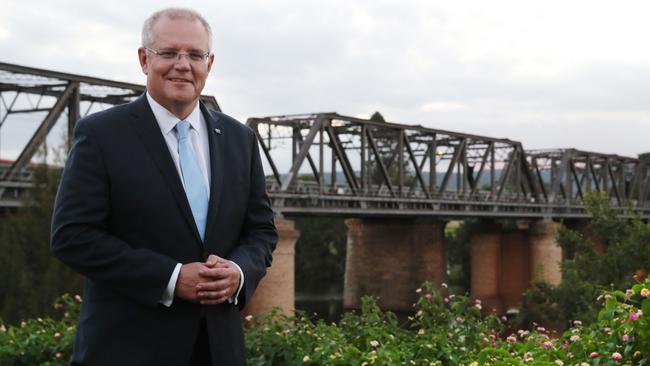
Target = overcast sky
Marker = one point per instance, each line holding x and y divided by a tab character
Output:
551	74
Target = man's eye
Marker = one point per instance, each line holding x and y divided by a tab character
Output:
196	56
168	54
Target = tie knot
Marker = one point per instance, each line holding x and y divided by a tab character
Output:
182	129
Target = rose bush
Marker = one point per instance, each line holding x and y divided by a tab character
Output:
41	341
444	330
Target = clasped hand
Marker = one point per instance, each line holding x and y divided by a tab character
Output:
212	282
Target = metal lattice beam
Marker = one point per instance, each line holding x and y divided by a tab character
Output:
378	160
28	91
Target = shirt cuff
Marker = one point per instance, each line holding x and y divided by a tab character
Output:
168	295
233	299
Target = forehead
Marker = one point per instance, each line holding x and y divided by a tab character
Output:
180	33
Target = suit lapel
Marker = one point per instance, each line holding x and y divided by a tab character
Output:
147	128
217	163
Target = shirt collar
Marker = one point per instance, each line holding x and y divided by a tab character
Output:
167	121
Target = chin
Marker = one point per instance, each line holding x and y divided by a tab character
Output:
181	98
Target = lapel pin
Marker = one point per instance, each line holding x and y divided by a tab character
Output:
218	131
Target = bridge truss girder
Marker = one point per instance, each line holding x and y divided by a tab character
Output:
32	91
384	169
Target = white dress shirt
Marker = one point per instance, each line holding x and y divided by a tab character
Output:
198	136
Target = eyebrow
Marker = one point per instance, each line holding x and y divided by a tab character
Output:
189	50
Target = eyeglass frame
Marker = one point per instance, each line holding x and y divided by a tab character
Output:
178	54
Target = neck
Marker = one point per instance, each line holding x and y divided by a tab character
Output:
181	111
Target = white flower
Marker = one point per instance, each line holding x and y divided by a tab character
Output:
305	359
374	343
559	363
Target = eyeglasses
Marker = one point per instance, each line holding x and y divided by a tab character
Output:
172	54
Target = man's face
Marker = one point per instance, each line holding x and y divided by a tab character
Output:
176	83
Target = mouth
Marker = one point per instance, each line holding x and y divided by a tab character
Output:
180	80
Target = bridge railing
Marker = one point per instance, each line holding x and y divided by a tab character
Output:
318	158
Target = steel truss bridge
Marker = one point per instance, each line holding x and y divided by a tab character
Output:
328	164
338	165
52	96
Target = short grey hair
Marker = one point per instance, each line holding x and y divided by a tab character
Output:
172	13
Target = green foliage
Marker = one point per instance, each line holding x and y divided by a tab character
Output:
458	245
447	330
41	341
29	276
442	331
320	254
606	258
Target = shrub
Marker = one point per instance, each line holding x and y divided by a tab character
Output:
449	330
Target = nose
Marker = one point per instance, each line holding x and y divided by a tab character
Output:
182	62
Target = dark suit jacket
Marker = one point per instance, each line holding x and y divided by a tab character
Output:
122	219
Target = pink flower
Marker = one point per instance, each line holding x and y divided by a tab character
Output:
625	337
427	296
616	356
504	319
58	355
547	345
77	297
634	316
594	355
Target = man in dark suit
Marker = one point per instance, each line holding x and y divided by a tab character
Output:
162	207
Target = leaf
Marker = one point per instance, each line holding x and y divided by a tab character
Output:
645	306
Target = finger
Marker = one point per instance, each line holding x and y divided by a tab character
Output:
219	285
216	296
216	273
217	264
212	260
215	259
210	295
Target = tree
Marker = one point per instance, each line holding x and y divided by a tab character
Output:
30	277
609	257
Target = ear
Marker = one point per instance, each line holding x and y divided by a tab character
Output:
143	57
210	61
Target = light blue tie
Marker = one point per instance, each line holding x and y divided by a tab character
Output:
195	189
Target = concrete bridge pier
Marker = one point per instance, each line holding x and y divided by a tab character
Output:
390	259
486	267
505	261
277	288
515	272
545	253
